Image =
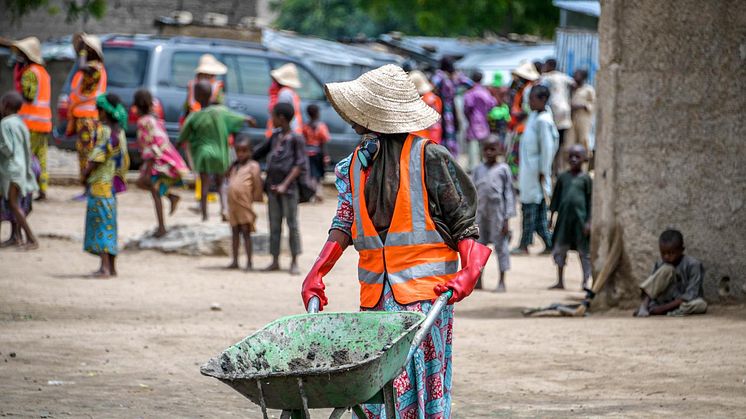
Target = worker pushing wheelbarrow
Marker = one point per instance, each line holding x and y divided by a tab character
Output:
409	210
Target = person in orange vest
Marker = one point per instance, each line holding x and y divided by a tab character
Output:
209	68
284	82
425	89
524	76
36	90
409	210
88	82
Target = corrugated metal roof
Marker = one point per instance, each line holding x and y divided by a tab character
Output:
590	8
323	51
503	60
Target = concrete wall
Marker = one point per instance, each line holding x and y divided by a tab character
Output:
134	16
671	149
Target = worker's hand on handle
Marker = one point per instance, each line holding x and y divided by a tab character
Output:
473	258
313	285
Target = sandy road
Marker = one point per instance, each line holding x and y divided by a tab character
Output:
132	346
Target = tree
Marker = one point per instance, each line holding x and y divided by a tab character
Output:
74	9
331	19
338	18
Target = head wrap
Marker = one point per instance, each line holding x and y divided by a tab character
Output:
118	113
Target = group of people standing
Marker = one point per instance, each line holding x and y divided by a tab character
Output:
521	137
216	151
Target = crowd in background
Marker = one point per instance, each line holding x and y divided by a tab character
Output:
533	141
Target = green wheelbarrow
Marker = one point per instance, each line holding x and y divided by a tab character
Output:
324	360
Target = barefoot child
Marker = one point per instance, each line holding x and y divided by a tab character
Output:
495	205
286	158
675	287
17	179
102	175
244	187
207	132
162	165
317	135
571	201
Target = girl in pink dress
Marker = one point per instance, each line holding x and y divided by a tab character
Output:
163	166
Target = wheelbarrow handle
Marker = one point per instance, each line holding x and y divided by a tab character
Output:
427	324
313	304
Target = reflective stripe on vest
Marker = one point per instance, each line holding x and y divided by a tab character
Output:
414	257
82	105
297	123
37	115
194	106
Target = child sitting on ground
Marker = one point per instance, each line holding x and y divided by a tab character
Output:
571	200
17	179
495	205
244	187
107	161
286	160
675	287
162	166
317	135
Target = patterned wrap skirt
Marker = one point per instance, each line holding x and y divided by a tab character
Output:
423	390
101	226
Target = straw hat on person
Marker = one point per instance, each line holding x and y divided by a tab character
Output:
383	100
91	41
420	82
287	75
526	71
31	48
208	64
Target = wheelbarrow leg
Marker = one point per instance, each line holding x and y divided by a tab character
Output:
389	401
337	413
359	412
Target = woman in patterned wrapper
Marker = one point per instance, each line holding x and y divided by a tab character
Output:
409	210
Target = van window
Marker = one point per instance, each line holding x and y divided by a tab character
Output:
183	64
125	67
311	88
247	75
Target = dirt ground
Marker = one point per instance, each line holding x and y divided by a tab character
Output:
132	346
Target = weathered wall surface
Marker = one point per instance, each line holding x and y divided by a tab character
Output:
134	16
671	149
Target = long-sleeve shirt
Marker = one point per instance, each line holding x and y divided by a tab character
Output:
538	145
451	194
559	85
495	199
477	103
690	275
15	156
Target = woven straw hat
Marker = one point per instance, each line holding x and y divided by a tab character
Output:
287	75
383	100
91	41
526	71
31	48
420	82
208	64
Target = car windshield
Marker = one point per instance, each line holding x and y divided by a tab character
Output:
125	67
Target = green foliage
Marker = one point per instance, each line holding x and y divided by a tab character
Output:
74	9
338	18
330	19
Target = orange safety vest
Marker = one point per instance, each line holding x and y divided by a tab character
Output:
297	123
435	131
194	106
413	258
82	105
37	114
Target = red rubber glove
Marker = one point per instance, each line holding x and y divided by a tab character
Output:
473	258
313	285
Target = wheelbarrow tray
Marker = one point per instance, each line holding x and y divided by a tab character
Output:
335	359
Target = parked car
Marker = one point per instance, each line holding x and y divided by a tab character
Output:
165	65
